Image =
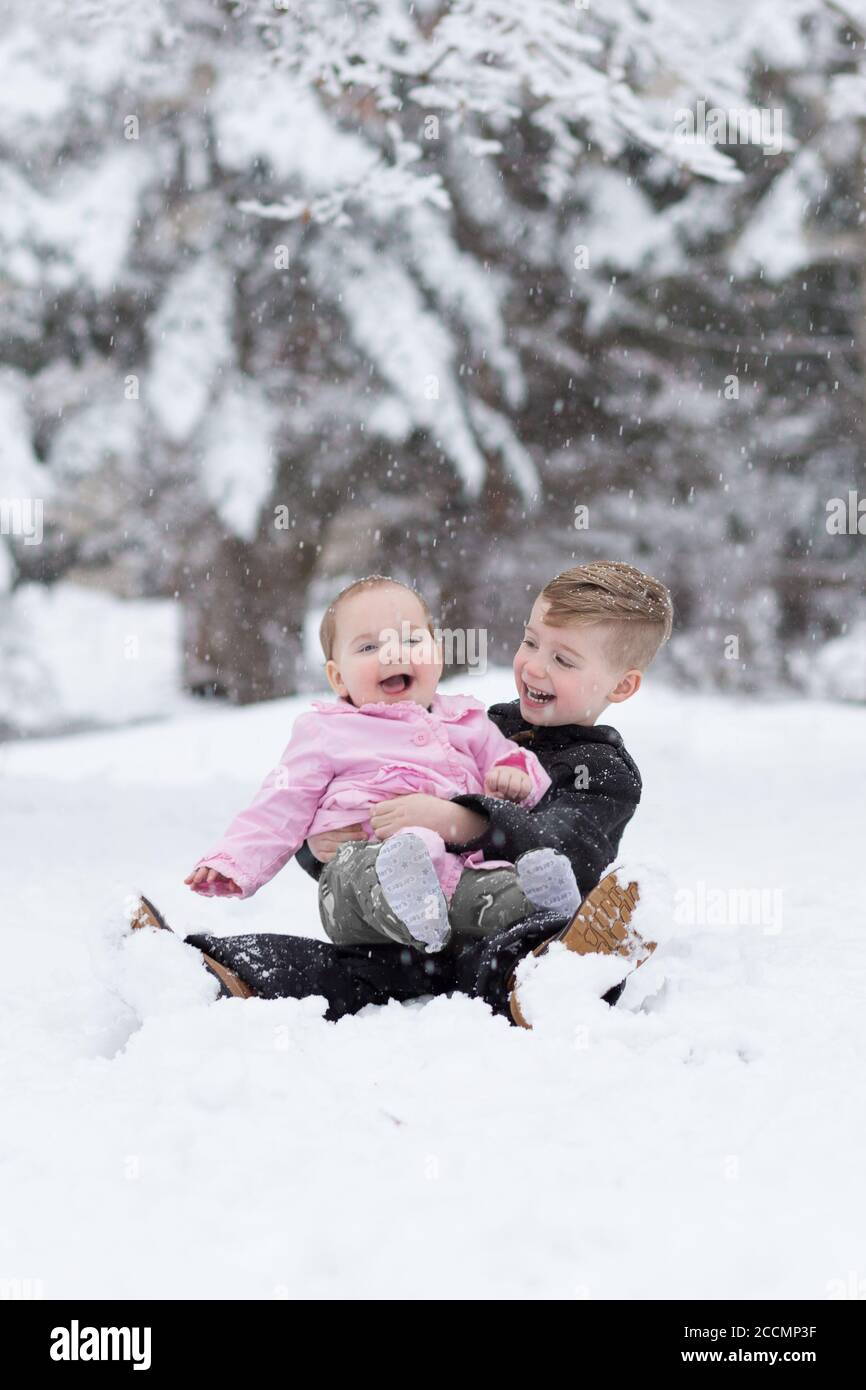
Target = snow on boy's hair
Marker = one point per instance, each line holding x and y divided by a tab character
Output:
636	609
328	625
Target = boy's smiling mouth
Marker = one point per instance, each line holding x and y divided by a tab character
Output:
396	685
537	698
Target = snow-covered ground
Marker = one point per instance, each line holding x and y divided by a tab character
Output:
704	1139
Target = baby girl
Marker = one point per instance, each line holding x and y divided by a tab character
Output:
388	734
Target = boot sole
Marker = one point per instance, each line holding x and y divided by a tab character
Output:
147	915
601	925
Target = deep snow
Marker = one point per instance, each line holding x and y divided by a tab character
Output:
703	1139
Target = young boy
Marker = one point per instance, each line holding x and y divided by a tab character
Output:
591	635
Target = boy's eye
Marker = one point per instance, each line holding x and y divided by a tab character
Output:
528	642
562	661
368	647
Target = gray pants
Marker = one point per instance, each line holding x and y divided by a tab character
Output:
354	912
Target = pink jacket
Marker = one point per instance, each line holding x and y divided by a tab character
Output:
342	759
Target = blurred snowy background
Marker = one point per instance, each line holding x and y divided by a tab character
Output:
292	292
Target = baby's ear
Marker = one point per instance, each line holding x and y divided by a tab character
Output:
335	680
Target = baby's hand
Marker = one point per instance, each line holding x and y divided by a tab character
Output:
325	845
508	782
211	883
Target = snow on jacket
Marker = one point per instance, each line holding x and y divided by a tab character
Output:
342	759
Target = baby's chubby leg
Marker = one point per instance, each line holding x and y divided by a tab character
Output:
486	901
372	893
413	868
352	907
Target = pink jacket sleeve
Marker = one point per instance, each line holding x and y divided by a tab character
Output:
498	751
261	839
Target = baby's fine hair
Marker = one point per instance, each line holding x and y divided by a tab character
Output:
328	625
636	609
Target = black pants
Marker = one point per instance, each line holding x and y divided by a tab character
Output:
349	977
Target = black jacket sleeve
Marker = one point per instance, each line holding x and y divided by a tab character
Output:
308	861
583	814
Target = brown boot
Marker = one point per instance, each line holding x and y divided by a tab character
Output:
144	914
602	924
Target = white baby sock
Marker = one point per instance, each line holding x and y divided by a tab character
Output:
411	889
547	879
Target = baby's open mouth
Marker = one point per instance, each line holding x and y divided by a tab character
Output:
395	685
536	697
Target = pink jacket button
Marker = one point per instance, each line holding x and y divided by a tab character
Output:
419	738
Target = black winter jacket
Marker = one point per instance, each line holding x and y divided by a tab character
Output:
595	787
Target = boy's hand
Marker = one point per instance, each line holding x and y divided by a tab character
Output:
325	845
456	824
509	783
205	876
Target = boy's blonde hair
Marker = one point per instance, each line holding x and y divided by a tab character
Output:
636	609
328	625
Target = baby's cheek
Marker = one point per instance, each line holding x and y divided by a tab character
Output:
427	675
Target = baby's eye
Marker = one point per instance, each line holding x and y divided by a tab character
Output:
528	642
368	647
567	664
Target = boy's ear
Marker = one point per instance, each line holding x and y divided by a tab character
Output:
335	680
627	685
